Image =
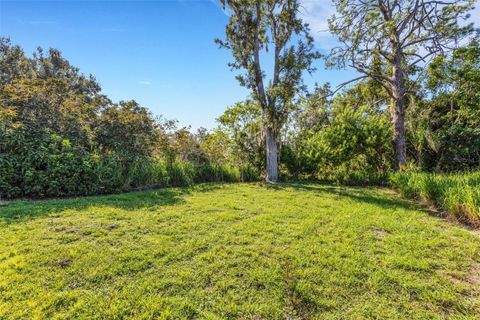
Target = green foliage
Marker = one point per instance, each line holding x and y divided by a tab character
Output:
127	129
353	148
390	42
216	173
149	172
445	129
254	28
49	166
60	170
235	251
347	143
225	173
457	193
249	173
217	147
242	124
181	173
59	136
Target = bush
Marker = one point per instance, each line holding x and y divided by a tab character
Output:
355	148
148	172
49	166
180	173
216	173
458	194
248	173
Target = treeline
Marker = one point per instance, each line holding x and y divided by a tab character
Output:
388	43
61	136
348	138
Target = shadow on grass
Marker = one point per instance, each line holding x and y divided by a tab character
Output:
22	210
361	194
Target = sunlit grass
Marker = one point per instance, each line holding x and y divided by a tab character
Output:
457	193
235	251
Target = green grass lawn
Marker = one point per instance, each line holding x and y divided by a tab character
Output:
236	251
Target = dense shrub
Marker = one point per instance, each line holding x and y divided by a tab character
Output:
57	172
50	166
354	148
216	172
60	136
249	172
444	130
209	172
458	194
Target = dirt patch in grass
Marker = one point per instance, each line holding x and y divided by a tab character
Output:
474	276
379	233
63	263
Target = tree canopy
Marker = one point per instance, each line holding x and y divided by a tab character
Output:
403	35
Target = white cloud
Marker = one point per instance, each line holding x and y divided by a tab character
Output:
144	82
38	22
316	14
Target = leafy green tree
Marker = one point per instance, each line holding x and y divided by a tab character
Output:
54	65
13	62
253	28
187	145
43	65
345	139
242	124
60	136
127	129
46	92
312	110
311	114
217	147
353	148
404	35
446	126
40	104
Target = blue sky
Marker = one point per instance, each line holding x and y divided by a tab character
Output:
160	53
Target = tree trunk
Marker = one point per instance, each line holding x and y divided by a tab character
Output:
272	156
398	121
398	117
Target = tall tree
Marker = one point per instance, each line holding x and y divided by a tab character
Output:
254	27
404	34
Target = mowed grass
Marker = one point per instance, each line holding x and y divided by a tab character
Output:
236	251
